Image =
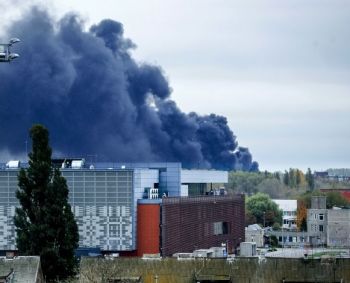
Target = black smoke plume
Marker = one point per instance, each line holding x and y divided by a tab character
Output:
96	99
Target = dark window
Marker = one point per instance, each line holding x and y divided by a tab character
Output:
321	228
221	228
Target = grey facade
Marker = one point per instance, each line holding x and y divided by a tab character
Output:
169	173
338	228
102	202
317	226
317	221
288	238
8	203
254	233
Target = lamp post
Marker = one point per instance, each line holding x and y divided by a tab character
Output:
264	219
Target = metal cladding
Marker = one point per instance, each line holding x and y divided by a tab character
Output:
148	231
201	222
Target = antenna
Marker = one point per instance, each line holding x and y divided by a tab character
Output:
26	143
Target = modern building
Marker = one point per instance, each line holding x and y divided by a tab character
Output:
185	224
289	212
202	182
104	199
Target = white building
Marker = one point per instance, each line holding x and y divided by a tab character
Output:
289	210
254	233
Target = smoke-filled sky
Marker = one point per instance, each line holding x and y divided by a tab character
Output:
278	70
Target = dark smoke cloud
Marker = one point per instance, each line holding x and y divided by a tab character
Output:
95	99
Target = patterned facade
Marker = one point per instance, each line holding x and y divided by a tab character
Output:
201	222
102	203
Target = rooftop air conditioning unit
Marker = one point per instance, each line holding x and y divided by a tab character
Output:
78	164
13	164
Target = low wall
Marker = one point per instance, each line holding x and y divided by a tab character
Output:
242	270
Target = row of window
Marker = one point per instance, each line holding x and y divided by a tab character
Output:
291	239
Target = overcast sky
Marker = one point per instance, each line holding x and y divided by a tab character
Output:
278	70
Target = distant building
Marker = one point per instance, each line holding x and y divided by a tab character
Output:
338	228
317	221
248	249
21	269
343	191
254	233
289	212
338	175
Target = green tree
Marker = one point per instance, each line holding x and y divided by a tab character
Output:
44	221
292	178
272	187
286	180
298	177
246	182
333	199
310	179
336	199
263	209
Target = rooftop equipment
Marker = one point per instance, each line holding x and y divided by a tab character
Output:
13	164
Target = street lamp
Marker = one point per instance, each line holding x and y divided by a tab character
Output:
264	219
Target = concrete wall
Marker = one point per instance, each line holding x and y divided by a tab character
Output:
241	270
338	228
317	226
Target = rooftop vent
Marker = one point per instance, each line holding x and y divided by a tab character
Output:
13	164
78	164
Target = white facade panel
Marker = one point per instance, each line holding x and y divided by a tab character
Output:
184	191
203	176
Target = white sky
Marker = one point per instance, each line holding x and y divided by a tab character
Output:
278	70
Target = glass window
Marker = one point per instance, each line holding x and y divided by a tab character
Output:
321	228
320	217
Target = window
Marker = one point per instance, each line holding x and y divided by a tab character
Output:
320	217
320	228
220	228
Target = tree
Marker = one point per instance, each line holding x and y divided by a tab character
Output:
263	209
310	179
272	187
286	178
292	178
336	199
44	221
301	215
